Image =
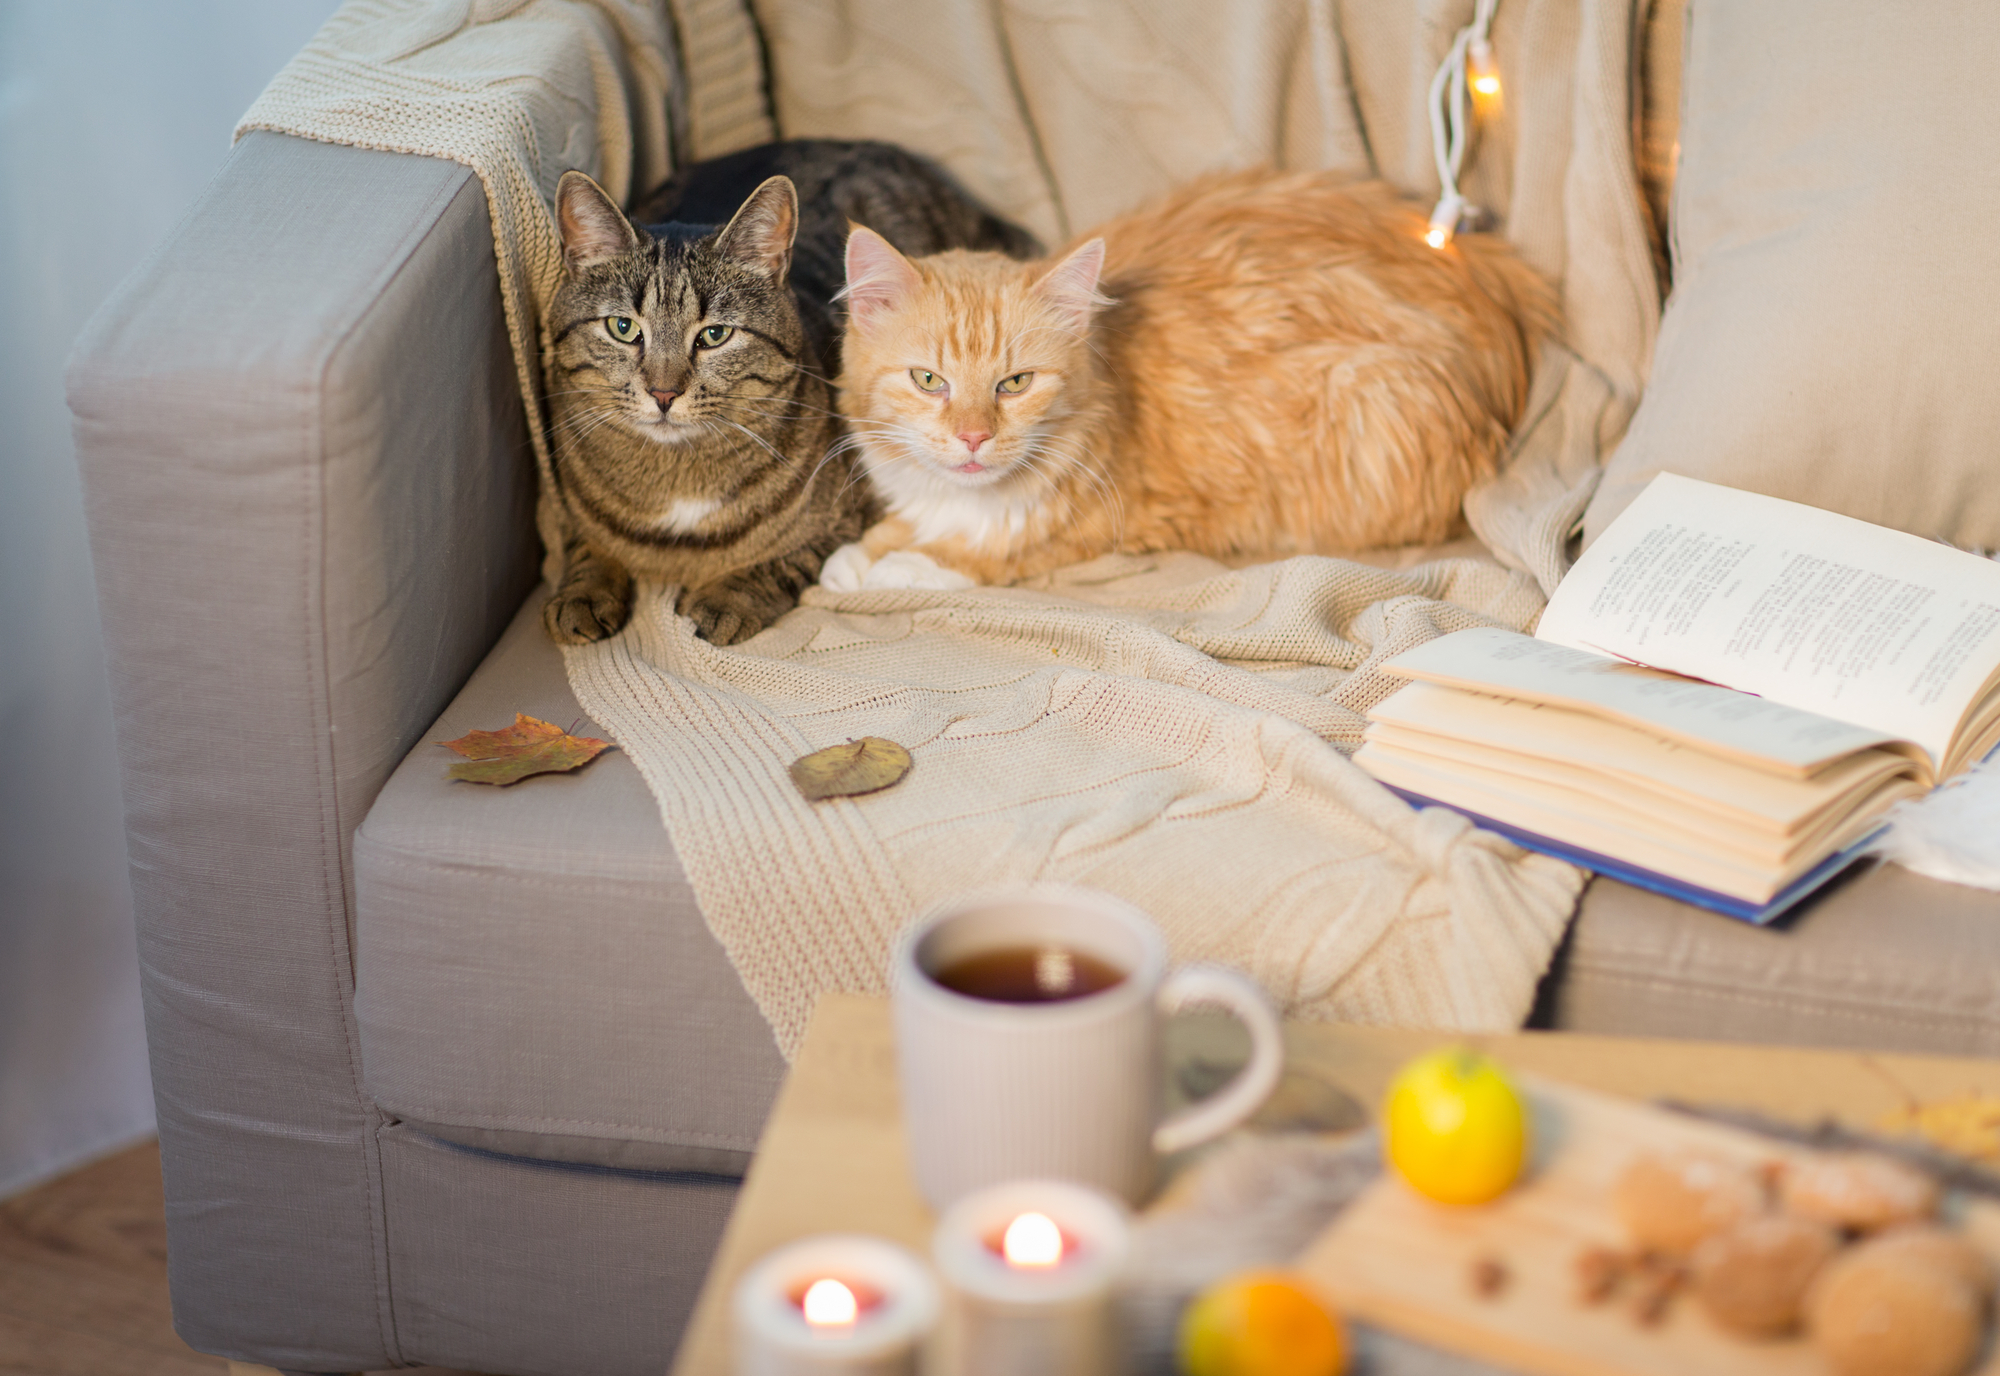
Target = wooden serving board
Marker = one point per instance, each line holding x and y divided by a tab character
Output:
1395	1259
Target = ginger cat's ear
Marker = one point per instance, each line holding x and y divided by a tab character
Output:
879	279
759	235
1071	285
592	226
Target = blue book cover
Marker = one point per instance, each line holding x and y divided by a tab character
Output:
1783	901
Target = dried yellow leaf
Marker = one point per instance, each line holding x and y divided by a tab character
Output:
842	771
530	746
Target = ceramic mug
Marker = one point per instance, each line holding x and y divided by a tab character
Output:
1074	1089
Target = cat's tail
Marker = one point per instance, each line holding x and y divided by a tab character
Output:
1530	304
1527	296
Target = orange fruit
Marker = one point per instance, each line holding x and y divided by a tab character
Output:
1455	1127
1261	1323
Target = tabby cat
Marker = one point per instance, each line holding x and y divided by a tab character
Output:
1261	363
692	420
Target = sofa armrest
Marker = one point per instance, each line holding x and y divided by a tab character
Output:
310	496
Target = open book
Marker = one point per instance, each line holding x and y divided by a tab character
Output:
1720	702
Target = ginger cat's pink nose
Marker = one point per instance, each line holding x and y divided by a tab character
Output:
974	438
665	399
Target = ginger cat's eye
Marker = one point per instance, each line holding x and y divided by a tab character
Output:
714	335
622	328
1016	384
926	380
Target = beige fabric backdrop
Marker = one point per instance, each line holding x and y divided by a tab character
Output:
1834	325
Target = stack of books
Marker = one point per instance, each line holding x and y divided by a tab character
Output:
1721	701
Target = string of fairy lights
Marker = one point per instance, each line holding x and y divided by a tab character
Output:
1468	76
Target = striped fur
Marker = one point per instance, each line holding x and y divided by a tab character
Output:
693	423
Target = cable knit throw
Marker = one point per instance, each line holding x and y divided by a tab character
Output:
1157	727
1162	727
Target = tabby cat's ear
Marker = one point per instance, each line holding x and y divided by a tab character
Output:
879	279
1071	285
760	234
592	226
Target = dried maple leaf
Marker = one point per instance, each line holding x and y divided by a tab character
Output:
529	746
841	771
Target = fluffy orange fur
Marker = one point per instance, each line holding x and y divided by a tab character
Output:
1283	366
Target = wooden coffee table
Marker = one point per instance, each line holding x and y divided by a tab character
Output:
832	1159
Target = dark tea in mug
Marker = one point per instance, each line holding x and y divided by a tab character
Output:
1028	974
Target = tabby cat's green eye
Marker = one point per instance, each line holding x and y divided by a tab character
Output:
926	380
714	335
1017	383
623	328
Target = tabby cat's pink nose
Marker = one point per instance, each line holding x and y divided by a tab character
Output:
974	438
665	399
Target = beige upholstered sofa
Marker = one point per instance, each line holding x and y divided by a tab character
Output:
458	1076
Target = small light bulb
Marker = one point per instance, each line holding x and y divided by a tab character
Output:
1437	236
829	1304
1032	1240
1483	73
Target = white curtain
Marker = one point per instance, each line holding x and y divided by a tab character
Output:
113	116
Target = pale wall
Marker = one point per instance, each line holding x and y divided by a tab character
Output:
113	115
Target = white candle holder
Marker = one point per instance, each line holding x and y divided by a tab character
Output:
1050	1319
894	1310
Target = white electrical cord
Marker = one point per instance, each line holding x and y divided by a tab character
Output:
1450	125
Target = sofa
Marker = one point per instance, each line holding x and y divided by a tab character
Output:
458	1076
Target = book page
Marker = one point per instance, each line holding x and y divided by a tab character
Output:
1721	720
1802	606
1631	764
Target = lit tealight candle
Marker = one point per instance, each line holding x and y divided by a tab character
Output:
1029	1268
856	1306
829	1302
1032	1239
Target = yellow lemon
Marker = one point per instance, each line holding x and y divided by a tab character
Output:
1455	1127
1261	1323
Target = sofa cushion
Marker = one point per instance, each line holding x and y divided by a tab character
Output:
1885	960
1836	306
531	972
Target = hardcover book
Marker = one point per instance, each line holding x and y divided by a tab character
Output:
1720	702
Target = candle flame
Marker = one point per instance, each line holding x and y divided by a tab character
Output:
828	1304
1032	1240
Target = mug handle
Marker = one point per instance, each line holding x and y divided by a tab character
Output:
1212	985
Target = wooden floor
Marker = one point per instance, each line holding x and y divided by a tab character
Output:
83	1278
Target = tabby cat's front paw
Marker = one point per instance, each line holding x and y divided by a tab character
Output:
580	618
845	570
725	616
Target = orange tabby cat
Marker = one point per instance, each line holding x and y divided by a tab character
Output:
1261	363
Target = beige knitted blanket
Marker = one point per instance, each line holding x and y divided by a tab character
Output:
1159	727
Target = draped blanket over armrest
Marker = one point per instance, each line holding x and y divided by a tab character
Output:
1163	728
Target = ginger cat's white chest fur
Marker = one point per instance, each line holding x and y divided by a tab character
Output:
1260	363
